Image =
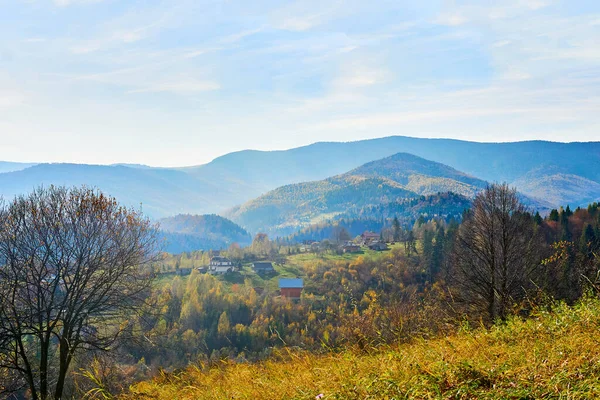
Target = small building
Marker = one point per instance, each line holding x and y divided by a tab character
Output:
378	246
263	267
202	270
368	237
350	247
220	265
183	271
291	287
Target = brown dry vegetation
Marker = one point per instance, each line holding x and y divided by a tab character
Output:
553	354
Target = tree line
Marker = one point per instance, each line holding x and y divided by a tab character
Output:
82	271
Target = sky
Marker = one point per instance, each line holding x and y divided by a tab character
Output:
178	82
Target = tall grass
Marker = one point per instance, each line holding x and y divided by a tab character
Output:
552	354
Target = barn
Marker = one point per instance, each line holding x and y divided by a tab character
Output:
291	288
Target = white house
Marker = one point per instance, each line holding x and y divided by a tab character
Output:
220	265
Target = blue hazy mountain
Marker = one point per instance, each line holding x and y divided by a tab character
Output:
159	192
7	166
562	173
185	232
540	169
401	176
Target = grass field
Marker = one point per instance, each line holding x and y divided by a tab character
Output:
293	267
554	355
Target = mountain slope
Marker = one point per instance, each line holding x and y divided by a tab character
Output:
558	187
552	354
160	192
399	176
7	166
186	232
255	172
565	173
446	206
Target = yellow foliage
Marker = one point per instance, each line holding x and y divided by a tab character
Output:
552	355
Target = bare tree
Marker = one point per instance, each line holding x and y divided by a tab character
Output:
73	268
339	234
496	251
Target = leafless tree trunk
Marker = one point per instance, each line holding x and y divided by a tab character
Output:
496	251
73	268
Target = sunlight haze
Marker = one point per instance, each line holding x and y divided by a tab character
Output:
174	83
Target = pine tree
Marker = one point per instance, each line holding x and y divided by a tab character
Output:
397	229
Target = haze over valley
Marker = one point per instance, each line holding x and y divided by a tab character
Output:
555	173
299	199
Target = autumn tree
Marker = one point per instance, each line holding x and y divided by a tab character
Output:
340	234
73	269
261	245
496	251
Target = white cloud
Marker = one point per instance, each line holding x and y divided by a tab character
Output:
501	43
11	99
360	76
34	40
304	15
297	24
304	71
65	3
85	48
451	19
179	87
534	4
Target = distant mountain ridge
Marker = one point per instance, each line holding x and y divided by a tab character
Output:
185	232
8	166
158	192
563	173
493	162
401	176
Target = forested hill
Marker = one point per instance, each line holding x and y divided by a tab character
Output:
185	232
566	173
401	176
561	173
379	218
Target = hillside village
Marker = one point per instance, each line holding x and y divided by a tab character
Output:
328	200
220	265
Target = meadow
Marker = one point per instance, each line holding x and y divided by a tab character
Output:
552	354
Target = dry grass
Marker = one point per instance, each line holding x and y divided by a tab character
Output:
551	355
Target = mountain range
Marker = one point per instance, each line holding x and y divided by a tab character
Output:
186	232
401	176
560	173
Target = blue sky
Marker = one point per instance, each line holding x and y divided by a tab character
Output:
175	83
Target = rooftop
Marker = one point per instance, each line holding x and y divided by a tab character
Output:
285	283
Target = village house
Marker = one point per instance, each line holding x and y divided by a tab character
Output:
220	265
367	237
378	246
350	247
263	267
291	287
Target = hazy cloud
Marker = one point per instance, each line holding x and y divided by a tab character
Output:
214	76
179	87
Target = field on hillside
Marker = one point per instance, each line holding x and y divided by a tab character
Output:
293	267
551	355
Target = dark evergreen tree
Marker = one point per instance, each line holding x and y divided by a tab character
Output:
397	229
